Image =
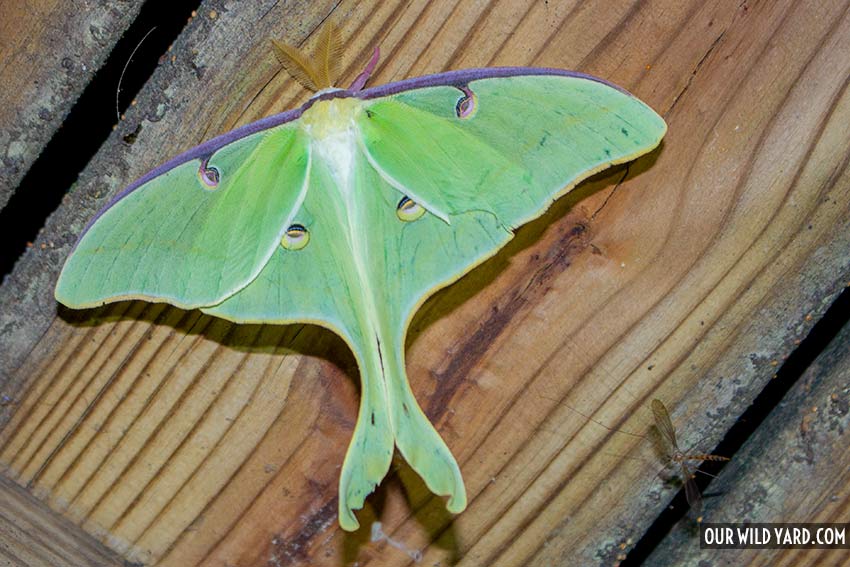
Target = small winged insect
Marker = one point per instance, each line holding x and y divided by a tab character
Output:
678	457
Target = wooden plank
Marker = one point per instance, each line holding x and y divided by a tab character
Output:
182	440
31	535
796	468
50	51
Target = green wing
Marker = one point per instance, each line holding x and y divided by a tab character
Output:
181	237
482	155
528	140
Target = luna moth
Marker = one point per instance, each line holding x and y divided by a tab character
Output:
350	211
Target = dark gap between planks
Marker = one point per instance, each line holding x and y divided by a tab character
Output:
836	317
88	125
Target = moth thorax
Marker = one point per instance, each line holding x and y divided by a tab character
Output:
329	118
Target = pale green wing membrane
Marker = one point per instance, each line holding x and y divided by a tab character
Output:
197	233
351	222
524	141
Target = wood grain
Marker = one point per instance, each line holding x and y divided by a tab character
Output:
182	440
50	51
32	535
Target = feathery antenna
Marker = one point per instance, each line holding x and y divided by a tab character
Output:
329	53
316	73
298	65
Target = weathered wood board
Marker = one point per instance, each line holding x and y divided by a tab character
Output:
49	51
182	440
796	467
32	535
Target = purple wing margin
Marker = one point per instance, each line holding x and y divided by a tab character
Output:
465	76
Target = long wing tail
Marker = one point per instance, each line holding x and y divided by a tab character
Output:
371	449
418	441
389	413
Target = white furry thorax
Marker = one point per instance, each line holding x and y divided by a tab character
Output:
332	128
